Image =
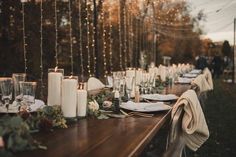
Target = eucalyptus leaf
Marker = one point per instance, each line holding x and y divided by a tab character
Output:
15	122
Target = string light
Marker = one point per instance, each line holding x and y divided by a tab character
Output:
80	37
41	47
125	36
93	45
104	40
71	38
88	35
131	35
120	40
24	36
111	40
56	33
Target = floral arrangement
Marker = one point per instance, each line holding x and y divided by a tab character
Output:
15	131
99	103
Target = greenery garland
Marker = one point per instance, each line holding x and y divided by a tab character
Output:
16	131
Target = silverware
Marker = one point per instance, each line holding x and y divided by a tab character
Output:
147	115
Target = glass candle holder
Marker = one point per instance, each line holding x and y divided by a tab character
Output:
28	90
17	78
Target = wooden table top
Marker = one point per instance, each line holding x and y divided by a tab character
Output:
103	138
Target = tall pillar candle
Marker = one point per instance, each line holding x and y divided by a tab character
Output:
82	100
69	96
54	86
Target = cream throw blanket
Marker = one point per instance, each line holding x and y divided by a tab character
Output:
202	83
208	76
194	128
94	84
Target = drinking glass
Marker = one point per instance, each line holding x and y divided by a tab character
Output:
17	77
151	82
122	87
6	85
116	83
129	85
27	90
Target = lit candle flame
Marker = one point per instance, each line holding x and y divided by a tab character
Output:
56	68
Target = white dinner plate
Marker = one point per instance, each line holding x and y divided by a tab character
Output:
13	108
196	71
183	80
160	97
190	75
145	107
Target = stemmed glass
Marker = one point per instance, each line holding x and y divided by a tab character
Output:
6	86
129	85
151	82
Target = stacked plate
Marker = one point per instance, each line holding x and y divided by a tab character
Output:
145	107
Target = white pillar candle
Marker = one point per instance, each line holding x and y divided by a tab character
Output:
69	97
81	102
54	86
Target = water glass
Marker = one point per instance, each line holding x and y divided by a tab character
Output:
116	83
6	87
129	82
28	90
17	77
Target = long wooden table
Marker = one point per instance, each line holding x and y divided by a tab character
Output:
104	138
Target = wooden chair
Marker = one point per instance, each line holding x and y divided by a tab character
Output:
175	142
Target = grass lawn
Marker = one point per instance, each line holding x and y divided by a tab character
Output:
220	113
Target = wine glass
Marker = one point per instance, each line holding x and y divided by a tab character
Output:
129	85
6	86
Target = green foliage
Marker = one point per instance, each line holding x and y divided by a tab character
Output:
16	134
16	130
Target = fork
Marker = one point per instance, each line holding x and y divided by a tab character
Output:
137	114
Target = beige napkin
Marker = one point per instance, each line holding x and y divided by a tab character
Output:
194	128
202	83
208	76
94	84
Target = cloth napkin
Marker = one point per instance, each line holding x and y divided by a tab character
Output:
194	128
94	84
208	76
202	83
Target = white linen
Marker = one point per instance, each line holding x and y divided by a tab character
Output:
202	83
194	127
208	76
94	84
